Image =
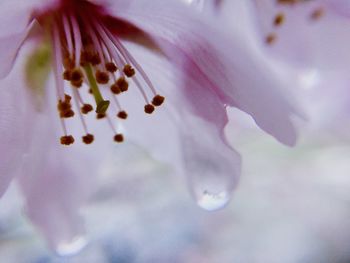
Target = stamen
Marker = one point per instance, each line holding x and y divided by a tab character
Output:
68	34
67	140
119	138
122	84
102	77
270	38
86	108
317	13
77	39
88	138
149	109
58	65
122	115
111	67
129	71
158	100
279	19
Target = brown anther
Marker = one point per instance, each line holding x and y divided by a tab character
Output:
67	140
122	115
63	106
149	108
119	138
88	138
76	75
77	84
317	14
279	19
67	75
111	67
122	84
86	108
95	59
90	91
67	114
100	116
102	77
270	39
158	100
115	89
129	71
67	98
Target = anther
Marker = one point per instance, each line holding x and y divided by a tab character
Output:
279	19
111	67
122	84
158	100
129	71
76	78
115	89
149	108
95	59
86	108
67	140
270	39
67	114
88	138
122	115
317	14
119	138
102	77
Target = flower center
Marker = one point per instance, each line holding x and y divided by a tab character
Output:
90	61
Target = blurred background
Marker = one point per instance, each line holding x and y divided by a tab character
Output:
292	206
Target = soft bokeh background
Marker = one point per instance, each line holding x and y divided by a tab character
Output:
292	206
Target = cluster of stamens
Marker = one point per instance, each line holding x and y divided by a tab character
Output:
93	63
279	18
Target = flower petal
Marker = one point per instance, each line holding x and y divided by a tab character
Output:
53	196
9	48
15	120
237	79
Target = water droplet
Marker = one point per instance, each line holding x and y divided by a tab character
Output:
71	247
212	201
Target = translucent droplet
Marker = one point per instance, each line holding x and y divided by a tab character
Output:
212	201
72	247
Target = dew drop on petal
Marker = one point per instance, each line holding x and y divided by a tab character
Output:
212	201
71	247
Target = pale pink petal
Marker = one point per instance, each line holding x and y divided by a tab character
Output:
234	78
340	6
9	48
52	203
15	129
54	191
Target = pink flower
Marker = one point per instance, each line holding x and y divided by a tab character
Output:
92	45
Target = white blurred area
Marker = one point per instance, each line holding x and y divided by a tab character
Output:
292	206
